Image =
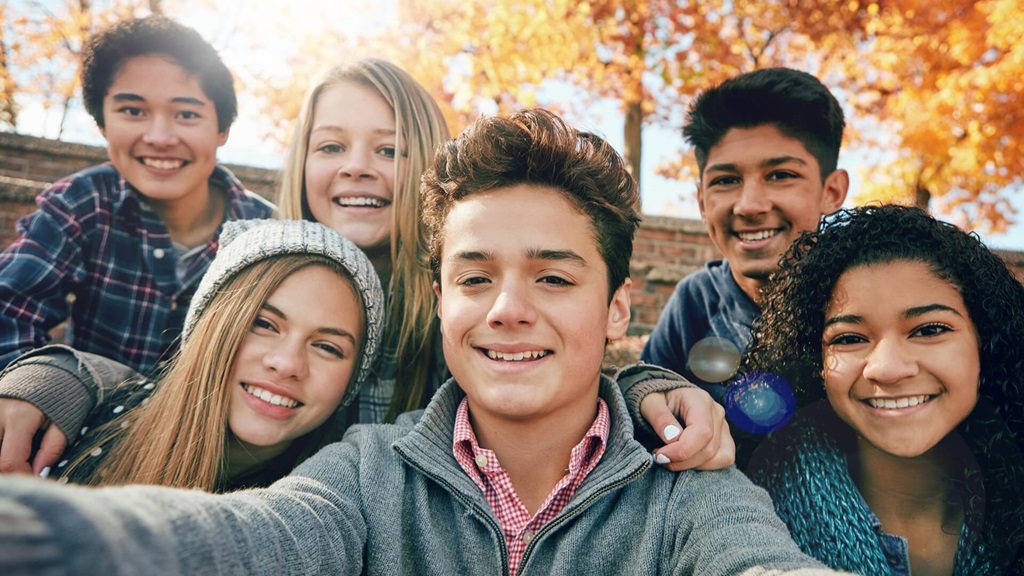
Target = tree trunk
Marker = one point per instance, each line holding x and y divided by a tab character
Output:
632	148
922	197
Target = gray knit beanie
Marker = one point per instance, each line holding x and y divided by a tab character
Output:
244	242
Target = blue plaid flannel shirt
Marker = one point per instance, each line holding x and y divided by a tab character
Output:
94	239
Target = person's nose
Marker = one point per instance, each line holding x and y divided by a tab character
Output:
357	163
161	132
889	362
287	359
512	306
753	200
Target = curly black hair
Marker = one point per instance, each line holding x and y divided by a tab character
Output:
788	336
106	52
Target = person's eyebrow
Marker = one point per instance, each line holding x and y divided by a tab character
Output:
847	318
129	97
471	256
909	313
542	254
780	160
531	253
323	330
188	100
767	163
922	310
334	128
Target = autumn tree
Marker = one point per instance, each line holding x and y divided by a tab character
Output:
942	82
49	38
648	55
8	86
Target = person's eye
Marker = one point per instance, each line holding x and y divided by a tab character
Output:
473	281
132	111
846	339
933	329
387	152
782	175
330	148
331	349
261	323
724	181
189	115
555	281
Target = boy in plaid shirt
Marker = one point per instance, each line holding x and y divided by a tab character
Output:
126	242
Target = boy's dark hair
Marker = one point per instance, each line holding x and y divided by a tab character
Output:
106	52
794	102
536	147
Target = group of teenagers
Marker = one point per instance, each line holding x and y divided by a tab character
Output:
398	369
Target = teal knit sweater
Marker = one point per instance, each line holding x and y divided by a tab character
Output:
805	469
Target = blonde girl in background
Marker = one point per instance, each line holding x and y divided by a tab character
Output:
364	136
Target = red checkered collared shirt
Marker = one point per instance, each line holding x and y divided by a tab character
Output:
483	467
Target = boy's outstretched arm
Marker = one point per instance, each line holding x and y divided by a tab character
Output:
689	423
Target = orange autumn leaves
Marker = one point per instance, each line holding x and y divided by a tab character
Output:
932	88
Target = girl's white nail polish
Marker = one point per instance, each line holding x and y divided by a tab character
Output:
671	431
661	459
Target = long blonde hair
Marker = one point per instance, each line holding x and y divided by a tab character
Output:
420	128
179	438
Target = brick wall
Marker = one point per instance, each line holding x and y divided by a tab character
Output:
29	164
666	249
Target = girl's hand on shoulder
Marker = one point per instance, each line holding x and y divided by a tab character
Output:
20	422
701	442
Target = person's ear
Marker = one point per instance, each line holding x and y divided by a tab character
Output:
618	311
700	199
837	184
222	137
437	290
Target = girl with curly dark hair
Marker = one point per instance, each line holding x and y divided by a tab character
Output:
901	337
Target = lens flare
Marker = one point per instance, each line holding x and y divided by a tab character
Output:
714	359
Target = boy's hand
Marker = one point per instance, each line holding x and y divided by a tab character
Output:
20	421
704	443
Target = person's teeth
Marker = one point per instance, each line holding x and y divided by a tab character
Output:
754	236
162	164
516	356
893	404
270	398
361	201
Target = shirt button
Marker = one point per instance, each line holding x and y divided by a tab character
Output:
481	460
158	253
527	536
174	306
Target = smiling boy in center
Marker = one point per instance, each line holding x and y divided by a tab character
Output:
523	463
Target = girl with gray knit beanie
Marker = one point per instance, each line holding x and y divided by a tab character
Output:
281	333
901	338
